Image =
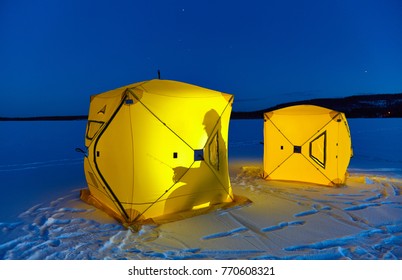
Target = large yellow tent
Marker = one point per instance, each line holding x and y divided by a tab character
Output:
157	149
306	143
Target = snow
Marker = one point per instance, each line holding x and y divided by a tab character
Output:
43	218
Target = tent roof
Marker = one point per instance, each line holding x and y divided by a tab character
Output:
166	88
302	110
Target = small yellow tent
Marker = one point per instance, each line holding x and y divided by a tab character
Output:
157	148
306	143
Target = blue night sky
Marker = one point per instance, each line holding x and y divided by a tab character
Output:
55	54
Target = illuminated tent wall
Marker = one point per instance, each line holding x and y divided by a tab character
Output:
306	143
157	148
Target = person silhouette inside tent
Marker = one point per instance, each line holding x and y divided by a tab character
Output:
205	181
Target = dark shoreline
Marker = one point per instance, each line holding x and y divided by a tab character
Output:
46	118
357	106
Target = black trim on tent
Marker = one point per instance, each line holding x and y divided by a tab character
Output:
89	128
332	119
297	149
198	155
317	160
120	206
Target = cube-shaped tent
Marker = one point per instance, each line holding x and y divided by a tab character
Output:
306	143
157	148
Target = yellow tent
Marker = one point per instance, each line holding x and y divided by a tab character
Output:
157	148
306	143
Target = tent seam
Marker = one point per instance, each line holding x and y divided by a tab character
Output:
166	191
149	110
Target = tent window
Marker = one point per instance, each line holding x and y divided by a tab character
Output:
214	151
198	155
92	128
318	149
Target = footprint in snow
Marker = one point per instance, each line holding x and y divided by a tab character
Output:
283	225
306	213
360	207
224	234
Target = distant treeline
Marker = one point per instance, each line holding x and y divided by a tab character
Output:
357	106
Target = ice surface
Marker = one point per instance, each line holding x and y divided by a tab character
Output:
42	216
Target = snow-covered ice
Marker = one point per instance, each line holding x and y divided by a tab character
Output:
43	218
